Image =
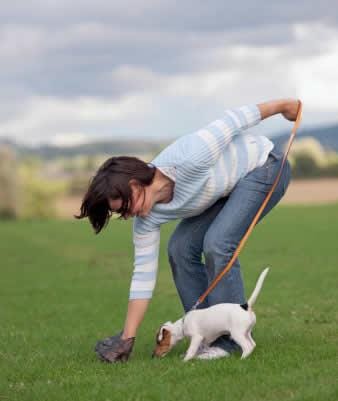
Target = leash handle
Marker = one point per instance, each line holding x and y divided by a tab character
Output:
255	219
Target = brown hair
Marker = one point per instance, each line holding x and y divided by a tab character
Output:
111	181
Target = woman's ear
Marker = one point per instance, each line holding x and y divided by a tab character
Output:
132	182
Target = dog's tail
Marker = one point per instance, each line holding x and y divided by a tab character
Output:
258	287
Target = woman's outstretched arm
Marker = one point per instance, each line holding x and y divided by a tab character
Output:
203	147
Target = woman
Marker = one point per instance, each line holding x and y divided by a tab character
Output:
215	180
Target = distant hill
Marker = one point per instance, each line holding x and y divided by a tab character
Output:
326	136
113	147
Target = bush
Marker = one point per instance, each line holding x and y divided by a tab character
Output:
309	159
39	195
78	184
9	186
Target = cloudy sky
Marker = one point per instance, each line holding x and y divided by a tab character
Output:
81	70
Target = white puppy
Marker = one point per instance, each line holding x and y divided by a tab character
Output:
206	325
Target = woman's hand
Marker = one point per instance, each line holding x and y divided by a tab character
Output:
287	107
114	349
291	109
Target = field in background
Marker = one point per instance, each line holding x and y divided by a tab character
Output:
62	288
50	182
300	192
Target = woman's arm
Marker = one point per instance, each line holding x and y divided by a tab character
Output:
203	148
287	107
143	281
136	311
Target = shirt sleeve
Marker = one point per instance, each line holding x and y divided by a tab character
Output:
210	141
146	245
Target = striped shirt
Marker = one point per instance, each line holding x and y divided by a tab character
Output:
205	165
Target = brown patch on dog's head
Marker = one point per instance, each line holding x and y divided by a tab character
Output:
163	342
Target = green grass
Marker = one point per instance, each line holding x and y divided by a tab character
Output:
62	288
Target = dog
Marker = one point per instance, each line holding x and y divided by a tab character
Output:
206	325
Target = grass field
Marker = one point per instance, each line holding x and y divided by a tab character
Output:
62	288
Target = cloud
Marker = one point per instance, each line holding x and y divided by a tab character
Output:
51	117
165	15
151	68
316	76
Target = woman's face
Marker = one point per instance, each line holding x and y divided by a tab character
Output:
141	204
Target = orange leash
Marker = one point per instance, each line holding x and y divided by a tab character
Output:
254	221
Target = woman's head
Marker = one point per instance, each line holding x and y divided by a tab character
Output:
118	186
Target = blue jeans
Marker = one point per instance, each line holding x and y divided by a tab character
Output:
216	233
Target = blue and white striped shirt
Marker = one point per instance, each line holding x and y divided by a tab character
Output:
205	165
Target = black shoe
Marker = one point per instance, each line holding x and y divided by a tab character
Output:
227	343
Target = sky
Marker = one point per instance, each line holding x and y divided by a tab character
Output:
76	71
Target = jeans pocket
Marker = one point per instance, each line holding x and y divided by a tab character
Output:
256	178
265	175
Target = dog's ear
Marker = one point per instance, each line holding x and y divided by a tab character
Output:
161	334
163	330
158	335
163	341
